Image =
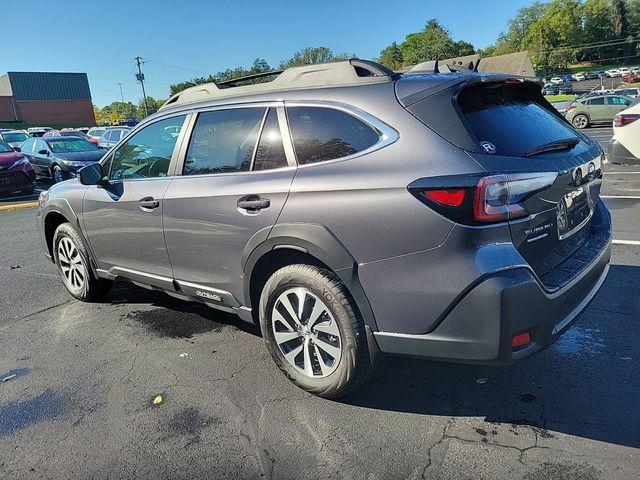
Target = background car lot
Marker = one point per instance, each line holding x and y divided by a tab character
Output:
82	379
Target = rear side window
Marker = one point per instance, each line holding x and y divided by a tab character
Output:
270	153
617	101
223	141
507	120
321	134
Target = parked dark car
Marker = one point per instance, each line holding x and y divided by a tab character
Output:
565	89
13	137
350	211
567	78
550	89
59	157
591	75
16	173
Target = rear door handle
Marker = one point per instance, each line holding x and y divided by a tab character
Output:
253	203
148	203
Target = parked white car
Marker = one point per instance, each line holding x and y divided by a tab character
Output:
578	77
614	72
629	92
556	81
635	69
625	144
624	71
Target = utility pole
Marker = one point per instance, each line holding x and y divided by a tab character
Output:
140	78
121	96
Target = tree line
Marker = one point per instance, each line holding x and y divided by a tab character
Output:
556	34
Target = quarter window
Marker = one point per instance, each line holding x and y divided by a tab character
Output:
321	134
270	153
223	141
617	101
148	153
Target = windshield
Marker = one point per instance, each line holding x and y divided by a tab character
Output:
14	137
511	120
5	147
70	145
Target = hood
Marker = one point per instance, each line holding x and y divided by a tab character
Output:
8	159
90	156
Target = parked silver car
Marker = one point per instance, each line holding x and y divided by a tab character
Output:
351	212
111	136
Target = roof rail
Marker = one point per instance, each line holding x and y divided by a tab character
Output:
318	75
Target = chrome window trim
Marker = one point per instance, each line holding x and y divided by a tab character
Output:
387	135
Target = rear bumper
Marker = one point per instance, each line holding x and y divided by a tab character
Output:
481	326
618	153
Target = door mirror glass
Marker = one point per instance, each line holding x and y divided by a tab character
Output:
43	152
91	174
17	149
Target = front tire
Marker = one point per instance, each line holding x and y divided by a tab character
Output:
313	331
72	262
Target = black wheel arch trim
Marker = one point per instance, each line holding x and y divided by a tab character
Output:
319	242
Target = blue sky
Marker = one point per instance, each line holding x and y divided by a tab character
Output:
183	39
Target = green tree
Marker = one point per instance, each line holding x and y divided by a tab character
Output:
432	43
152	107
311	55
517	29
391	57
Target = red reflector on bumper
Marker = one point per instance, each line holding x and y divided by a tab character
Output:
521	340
448	197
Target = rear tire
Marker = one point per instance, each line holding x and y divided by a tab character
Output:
72	261
322	348
580	121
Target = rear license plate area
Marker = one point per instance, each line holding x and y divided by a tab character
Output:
573	211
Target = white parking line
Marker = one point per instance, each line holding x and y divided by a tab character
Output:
621	173
626	242
622	197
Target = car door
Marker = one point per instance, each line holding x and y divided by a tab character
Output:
41	159
597	109
123	216
231	186
616	105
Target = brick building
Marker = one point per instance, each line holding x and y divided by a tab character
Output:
46	98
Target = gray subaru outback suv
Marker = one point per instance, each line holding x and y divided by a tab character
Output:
351	212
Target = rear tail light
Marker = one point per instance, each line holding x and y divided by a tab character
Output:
571	107
622	119
473	200
520	340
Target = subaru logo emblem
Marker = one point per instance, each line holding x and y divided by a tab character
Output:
488	147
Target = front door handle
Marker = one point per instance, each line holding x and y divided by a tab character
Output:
253	203
148	203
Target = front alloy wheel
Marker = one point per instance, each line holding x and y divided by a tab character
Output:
306	332
74	271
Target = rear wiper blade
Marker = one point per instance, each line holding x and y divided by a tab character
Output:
565	144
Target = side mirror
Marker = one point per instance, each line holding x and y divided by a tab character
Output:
43	152
17	149
91	174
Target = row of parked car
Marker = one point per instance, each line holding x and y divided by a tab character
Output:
43	153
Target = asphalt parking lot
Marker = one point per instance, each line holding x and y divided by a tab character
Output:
78	401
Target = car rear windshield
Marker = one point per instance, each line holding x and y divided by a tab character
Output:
510	120
70	145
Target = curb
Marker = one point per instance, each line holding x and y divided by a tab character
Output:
17	206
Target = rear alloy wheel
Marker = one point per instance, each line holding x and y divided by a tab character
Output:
57	174
72	261
313	330
580	121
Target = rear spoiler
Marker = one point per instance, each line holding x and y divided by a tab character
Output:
432	66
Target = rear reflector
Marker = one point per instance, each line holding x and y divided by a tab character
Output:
447	197
521	340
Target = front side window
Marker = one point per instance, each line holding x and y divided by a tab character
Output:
321	134
148	153
596	101
40	146
223	141
27	146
